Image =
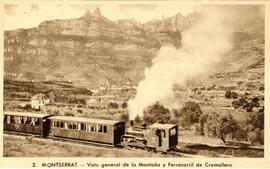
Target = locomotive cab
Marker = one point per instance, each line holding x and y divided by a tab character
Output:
162	137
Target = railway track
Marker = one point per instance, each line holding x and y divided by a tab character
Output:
176	152
60	139
22	134
28	136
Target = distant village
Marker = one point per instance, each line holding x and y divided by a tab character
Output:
104	96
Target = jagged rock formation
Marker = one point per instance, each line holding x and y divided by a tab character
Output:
91	49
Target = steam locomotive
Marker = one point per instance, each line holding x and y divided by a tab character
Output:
157	137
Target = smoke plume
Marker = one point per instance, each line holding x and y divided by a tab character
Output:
203	46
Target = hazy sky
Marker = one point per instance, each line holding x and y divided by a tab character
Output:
26	15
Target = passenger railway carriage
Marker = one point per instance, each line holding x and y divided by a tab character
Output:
95	130
33	123
158	137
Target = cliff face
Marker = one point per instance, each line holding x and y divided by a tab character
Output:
89	50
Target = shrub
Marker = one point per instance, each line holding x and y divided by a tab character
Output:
68	113
197	129
202	121
228	94
79	111
256	136
188	114
113	105
27	107
236	104
124	105
124	117
234	95
222	127
156	113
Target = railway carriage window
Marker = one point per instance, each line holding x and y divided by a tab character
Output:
16	118
173	132
69	126
74	126
28	121
21	120
94	128
33	121
8	119
37	121
5	119
78	126
61	124
88	127
83	126
104	129
100	128
12	120
57	124
24	120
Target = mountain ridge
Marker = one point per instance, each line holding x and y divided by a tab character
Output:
91	49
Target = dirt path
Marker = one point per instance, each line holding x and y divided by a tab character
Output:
19	146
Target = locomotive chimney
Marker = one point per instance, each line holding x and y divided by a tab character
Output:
131	122
144	125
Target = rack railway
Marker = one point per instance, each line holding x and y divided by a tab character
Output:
98	132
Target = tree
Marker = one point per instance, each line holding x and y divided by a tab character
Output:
202	121
52	97
113	105
255	122
212	124
188	114
124	105
193	110
227	125
221	127
124	116
156	113
228	94
234	95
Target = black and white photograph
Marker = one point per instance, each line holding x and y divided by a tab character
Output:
133	79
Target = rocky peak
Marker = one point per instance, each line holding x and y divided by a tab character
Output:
97	14
179	16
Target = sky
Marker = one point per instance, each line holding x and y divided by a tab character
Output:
27	15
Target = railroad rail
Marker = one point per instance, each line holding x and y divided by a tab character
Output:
61	139
175	152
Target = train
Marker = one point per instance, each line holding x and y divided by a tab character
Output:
156	137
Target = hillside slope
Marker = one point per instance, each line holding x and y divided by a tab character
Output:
91	50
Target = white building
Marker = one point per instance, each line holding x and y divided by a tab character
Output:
39	100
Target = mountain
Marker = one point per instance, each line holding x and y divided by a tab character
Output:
87	50
92	49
